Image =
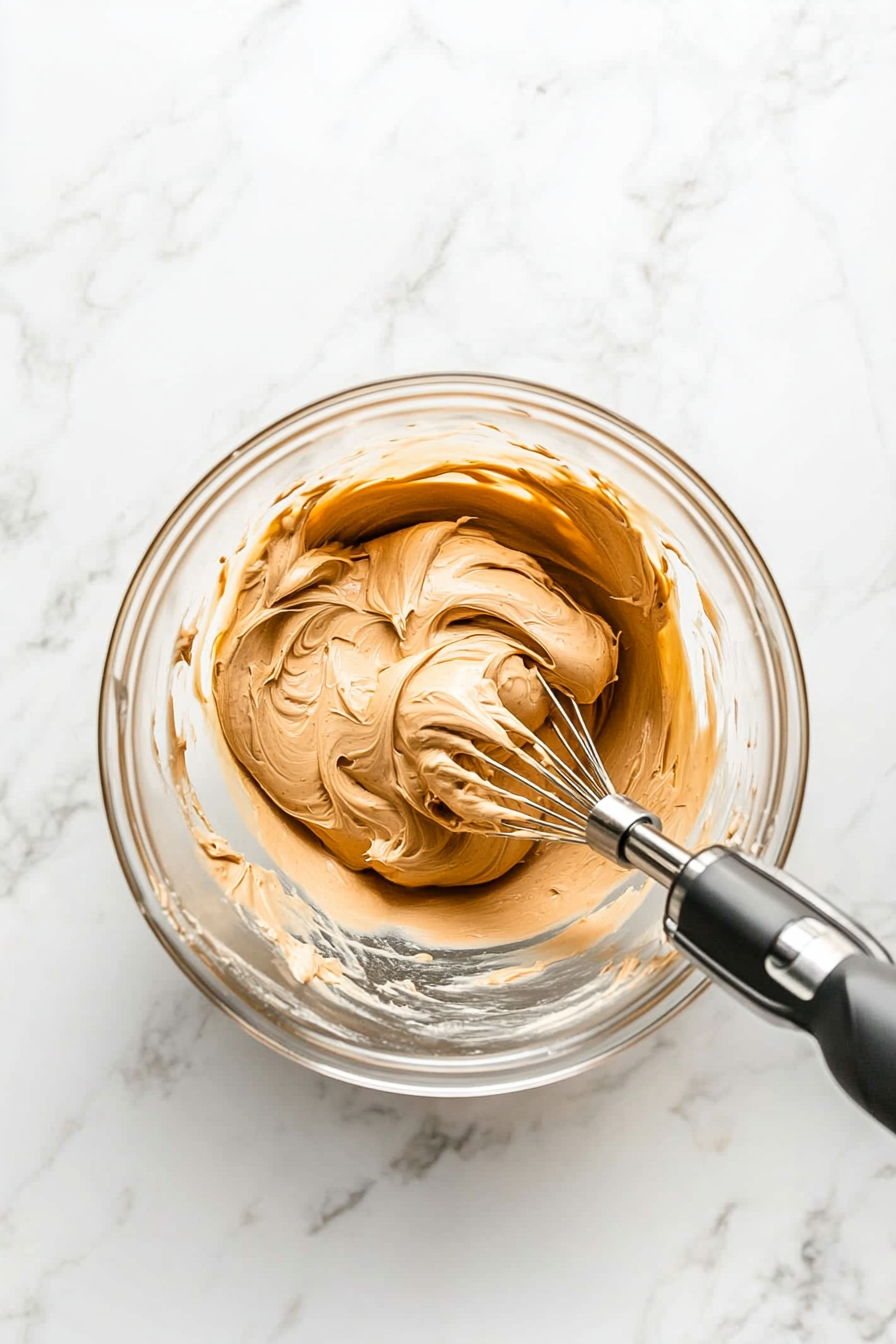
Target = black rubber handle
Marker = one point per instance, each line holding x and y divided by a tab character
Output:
853	1019
732	914
729	916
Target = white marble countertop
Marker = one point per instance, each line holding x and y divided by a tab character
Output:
217	210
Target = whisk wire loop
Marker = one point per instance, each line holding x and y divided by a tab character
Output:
562	793
597	773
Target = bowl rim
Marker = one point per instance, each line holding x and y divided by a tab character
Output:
354	1069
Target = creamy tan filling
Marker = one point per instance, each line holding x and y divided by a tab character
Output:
381	622
365	688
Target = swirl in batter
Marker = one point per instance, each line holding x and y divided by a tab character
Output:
361	685
384	617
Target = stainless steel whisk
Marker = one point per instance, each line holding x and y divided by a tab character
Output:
777	945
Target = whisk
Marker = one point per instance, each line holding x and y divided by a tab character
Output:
777	945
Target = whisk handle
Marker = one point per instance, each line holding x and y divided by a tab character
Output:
794	956
774	942
853	1018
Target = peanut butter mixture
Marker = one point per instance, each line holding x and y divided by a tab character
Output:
377	633
365	687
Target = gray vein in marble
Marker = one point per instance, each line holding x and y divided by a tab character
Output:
406	292
337	1203
885	582
133	209
19	509
426	1146
826	229
71	1126
62	617
643	1057
33	1313
802	1285
359	1107
30	834
267	23
166	1049
704	1252
413	36
61	611
292	1314
817	1281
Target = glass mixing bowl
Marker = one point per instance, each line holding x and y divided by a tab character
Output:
491	1037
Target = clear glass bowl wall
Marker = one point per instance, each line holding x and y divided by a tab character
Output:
494	1038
